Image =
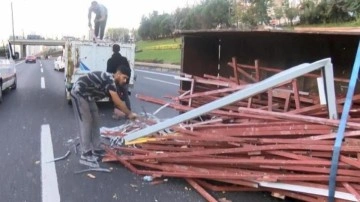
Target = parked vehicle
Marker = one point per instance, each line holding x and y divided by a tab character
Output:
82	57
7	71
30	59
59	64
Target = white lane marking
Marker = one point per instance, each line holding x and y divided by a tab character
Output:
175	84
42	70
19	63
40	65
42	82
49	182
157	73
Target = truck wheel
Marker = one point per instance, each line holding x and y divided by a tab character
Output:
69	102
1	93
13	87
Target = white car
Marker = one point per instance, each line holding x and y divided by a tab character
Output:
7	75
59	64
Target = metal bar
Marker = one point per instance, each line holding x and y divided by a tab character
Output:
236	75
276	70
191	91
296	117
330	90
257	71
342	126
60	158
312	169
352	190
270	96
254	89
305	189
296	93
245	74
241	150
225	188
201	190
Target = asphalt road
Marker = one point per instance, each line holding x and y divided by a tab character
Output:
37	125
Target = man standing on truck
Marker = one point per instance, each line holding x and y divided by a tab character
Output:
86	91
123	90
100	18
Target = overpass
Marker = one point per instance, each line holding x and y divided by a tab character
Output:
35	42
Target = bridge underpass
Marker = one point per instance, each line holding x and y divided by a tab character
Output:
23	43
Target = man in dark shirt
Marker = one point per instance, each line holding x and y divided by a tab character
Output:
85	92
113	62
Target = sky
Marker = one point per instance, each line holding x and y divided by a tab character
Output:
57	18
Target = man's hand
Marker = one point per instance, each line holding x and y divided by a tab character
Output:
132	116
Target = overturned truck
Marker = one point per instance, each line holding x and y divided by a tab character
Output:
260	111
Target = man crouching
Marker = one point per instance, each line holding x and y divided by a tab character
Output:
86	91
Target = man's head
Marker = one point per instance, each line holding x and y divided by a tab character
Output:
116	48
122	74
94	4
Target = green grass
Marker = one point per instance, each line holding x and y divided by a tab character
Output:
355	23
170	56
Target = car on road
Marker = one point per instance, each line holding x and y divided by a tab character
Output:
30	59
7	72
59	64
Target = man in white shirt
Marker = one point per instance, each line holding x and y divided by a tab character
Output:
100	18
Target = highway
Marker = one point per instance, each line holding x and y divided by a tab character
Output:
37	125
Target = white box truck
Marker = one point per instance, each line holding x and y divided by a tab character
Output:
81	57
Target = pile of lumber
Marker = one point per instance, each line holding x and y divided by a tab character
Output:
280	141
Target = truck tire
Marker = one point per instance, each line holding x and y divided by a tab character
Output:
69	102
13	87
1	95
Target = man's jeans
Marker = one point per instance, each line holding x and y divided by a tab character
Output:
100	28
87	118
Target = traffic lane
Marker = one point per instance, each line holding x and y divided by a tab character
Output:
19	122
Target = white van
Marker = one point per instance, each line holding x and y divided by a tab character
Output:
82	57
7	71
59	64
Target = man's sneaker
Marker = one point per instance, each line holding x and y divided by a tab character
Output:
89	159
99	152
88	156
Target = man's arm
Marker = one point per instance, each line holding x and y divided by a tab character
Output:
121	105
89	16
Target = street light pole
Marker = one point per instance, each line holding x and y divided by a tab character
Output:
12	17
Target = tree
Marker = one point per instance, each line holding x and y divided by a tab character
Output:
257	13
249	17
118	34
260	8
279	13
353	7
307	12
291	14
166	25
216	12
144	29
